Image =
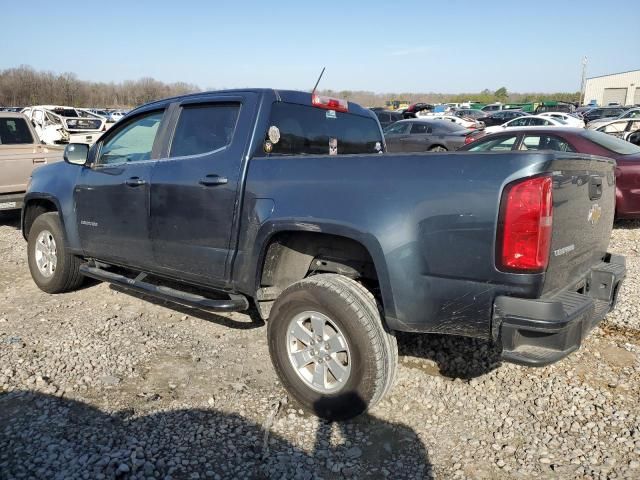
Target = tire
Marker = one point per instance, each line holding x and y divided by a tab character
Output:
438	148
370	356
65	275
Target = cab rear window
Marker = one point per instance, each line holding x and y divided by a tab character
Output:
299	129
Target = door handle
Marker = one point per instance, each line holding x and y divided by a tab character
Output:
39	160
212	180
135	181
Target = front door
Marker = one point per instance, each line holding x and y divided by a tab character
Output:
193	190
112	194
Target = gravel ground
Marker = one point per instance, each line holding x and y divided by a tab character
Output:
103	384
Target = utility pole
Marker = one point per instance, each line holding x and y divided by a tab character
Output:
583	82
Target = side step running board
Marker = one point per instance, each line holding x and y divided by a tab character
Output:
234	303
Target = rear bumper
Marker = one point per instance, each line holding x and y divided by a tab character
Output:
537	332
11	201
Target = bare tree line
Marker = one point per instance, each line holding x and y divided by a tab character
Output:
23	86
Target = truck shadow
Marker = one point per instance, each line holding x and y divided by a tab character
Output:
49	437
10	218
449	355
255	320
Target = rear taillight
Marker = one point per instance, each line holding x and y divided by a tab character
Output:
329	103
524	232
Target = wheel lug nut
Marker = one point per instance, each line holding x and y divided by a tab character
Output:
327	357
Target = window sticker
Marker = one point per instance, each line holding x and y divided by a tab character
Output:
331	114
274	134
378	147
333	146
268	146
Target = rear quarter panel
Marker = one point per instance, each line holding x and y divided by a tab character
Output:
427	220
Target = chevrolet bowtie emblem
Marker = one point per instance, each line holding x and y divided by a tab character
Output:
595	212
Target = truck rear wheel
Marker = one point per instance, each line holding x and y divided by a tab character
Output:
329	346
53	269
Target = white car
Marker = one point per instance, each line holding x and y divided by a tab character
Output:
632	113
527	121
115	116
621	128
465	122
81	126
570	120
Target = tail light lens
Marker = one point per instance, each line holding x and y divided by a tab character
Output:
468	139
329	103
524	233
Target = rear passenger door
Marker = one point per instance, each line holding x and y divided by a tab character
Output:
194	187
419	139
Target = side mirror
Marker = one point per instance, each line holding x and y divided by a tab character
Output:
76	153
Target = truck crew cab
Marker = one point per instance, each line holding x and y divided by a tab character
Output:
287	200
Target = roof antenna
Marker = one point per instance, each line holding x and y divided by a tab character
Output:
316	85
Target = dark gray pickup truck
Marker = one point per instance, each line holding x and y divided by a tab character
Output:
287	200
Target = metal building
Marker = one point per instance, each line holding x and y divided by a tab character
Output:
622	88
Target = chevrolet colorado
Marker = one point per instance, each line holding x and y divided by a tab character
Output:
288	200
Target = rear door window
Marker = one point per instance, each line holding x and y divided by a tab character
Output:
499	144
302	129
616	128
519	122
418	128
545	142
14	131
204	128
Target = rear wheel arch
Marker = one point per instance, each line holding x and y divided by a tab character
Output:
437	146
289	256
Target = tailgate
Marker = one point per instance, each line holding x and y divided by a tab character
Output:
583	213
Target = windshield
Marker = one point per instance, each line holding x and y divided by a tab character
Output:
611	143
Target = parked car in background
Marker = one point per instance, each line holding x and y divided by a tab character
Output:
387	117
492	107
626	155
421	135
465	122
49	126
527	121
601	112
570	119
555	106
634	138
414	108
82	126
631	113
474	113
115	115
500	117
622	129
20	152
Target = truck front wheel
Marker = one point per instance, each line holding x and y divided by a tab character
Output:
53	269
329	346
